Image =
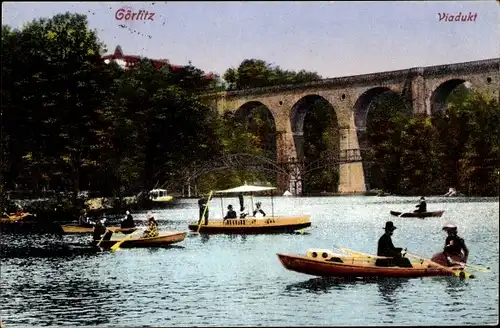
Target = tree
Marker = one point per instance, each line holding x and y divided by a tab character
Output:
254	73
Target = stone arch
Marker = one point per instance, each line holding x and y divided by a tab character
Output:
251	109
307	113
363	111
298	115
440	93
362	105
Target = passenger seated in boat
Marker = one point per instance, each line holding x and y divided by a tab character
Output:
152	230
258	209
455	251
231	214
100	230
422	207
243	213
386	248
128	221
84	220
202	204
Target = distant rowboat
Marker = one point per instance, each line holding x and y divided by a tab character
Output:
417	214
73	229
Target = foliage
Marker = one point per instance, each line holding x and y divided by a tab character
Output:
253	73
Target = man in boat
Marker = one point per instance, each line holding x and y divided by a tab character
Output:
243	213
100	230
152	230
202	204
422	206
128	221
455	251
386	249
258	209
231	214
84	220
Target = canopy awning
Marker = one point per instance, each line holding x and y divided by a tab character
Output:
245	188
157	190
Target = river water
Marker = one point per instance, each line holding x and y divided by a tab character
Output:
223	280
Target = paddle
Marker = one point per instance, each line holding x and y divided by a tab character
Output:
458	273
361	255
204	211
104	234
116	246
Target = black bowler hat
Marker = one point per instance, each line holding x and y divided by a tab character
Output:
389	226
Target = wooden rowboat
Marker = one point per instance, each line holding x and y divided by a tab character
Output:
71	229
337	265
15	217
417	214
253	225
164	239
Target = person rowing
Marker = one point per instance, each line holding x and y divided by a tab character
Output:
84	220
128	221
386	249
455	251
422	206
100	230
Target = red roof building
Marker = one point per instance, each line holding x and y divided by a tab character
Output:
129	61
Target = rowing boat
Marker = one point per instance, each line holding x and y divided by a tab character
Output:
324	263
251	224
163	239
72	229
15	217
417	214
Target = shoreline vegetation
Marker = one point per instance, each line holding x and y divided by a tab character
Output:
71	122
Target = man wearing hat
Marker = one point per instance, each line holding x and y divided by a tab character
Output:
386	248
128	221
231	214
455	251
422	206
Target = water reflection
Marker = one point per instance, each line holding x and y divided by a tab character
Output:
320	285
65	297
205	237
456	288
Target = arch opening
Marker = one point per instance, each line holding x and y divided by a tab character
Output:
447	91
380	116
256	119
317	141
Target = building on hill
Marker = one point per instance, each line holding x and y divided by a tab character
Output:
130	61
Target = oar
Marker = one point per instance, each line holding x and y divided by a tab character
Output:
360	254
104	234
204	211
478	268
458	273
116	246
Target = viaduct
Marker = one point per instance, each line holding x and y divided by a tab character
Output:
425	87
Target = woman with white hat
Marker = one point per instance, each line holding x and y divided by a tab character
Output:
455	251
152	230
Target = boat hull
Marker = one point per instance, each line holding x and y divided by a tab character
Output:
254	226
164	239
356	268
73	229
417	215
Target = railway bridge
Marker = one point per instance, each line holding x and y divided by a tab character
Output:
426	88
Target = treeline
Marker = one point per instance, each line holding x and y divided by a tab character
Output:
70	122
420	155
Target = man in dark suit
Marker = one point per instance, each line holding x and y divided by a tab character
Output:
386	249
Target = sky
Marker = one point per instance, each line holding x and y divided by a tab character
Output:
332	38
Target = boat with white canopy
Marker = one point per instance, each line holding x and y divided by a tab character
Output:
251	224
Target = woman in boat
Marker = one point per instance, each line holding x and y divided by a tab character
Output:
258	209
231	214
386	248
128	221
202	204
152	230
422	206
455	251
